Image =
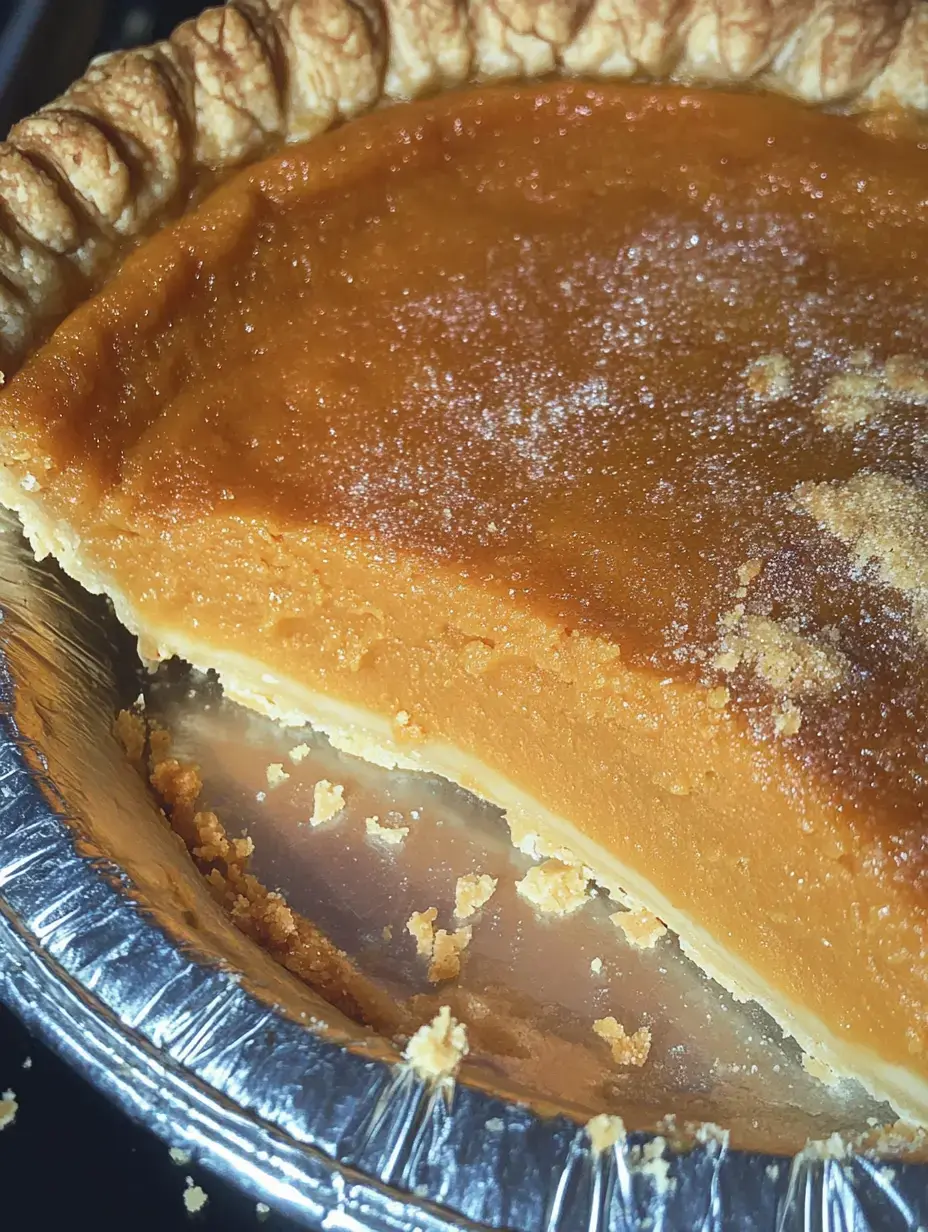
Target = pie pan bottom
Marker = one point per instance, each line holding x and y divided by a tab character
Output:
112	949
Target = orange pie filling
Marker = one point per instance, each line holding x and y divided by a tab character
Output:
571	442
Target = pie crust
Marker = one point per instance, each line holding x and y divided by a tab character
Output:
145	134
129	144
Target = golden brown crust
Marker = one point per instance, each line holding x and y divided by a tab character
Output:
128	142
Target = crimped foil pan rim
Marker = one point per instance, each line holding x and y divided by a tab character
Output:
228	1143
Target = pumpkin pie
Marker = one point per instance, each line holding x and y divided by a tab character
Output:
561	428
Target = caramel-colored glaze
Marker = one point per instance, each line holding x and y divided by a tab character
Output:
510	329
389	406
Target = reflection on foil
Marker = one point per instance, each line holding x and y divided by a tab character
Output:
111	947
530	987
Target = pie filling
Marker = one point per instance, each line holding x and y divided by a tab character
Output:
569	441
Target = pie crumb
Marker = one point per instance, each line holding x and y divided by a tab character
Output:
262	914
626	1049
195	1198
393	836
243	848
707	1133
387	932
648	1160
596	966
605	1132
419	925
832	1147
770	378
436	1050
473	891
8	1109
212	842
328	801
129	730
159	746
554	888
180	1156
262	1210
642	929
298	753
447	949
276	774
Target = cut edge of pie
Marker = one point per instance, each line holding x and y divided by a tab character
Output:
534	829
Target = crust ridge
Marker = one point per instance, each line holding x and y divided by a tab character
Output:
124	147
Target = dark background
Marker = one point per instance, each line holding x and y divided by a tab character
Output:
71	1159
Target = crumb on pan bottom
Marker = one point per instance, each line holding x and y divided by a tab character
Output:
642	929
626	1049
436	1050
605	1132
447	949
8	1109
260	913
306	952
472	891
554	888
328	802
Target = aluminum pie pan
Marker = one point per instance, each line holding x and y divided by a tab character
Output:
113	953
112	950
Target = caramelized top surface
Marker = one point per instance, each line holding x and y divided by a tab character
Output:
582	344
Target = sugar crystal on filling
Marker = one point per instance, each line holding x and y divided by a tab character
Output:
769	378
883	521
791	662
850	399
907	379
